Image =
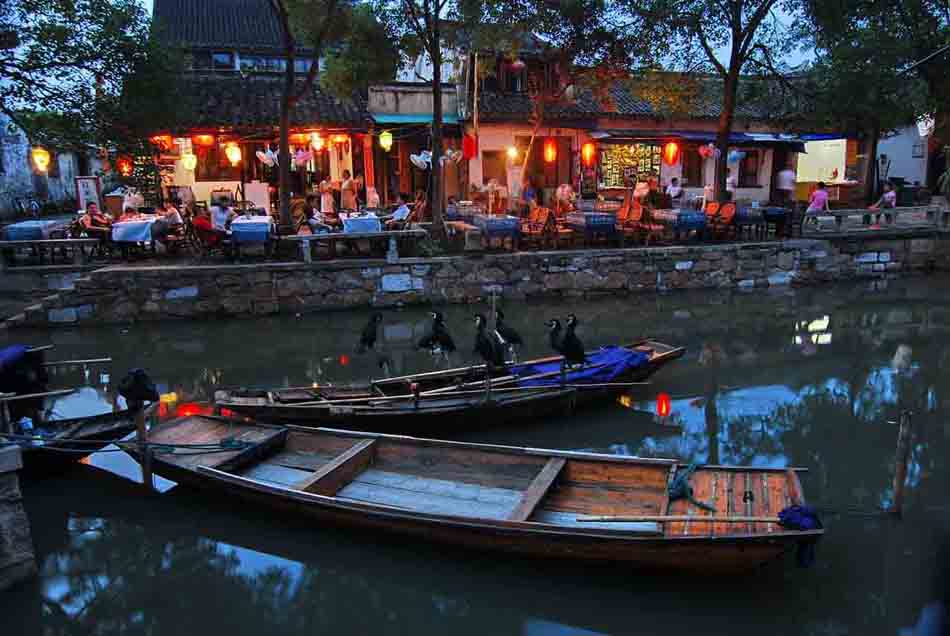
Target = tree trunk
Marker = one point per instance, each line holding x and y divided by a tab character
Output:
283	169
871	172
724	131
436	55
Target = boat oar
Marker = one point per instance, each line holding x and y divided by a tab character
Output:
637	518
9	397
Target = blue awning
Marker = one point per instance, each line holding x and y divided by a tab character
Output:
412	118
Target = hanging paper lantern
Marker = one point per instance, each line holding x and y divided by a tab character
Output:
340	139
233	152
663	404
189	161
203	140
299	139
124	166
550	150
469	147
671	153
588	153
512	152
386	140
163	142
41	158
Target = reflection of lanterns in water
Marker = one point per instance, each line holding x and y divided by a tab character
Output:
664	405
625	401
344	360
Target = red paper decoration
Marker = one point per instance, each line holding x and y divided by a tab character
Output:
124	166
671	153
588	153
469	147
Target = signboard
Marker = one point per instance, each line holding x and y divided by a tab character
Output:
88	190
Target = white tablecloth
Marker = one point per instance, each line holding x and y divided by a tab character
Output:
133	231
251	229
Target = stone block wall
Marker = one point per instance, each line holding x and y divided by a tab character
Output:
17	562
129	293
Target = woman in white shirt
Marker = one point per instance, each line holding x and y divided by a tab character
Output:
221	214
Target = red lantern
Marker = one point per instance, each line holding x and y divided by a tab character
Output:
187	409
344	360
469	147
664	405
671	153
203	140
588	153
124	166
550	150
163	142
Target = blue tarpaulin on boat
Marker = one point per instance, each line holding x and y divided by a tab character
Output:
607	364
11	355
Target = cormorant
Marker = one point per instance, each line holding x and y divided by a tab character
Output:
370	332
491	351
508	337
438	338
571	345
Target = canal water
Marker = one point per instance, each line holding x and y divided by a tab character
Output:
811	378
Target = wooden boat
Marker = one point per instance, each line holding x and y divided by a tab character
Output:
524	500
60	443
463	396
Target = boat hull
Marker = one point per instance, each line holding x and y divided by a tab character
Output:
58	455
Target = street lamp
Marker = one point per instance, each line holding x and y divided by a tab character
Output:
41	158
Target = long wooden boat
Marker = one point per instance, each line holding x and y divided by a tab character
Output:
524	500
462	397
60	443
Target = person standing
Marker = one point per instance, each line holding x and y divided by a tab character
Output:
326	198
348	189
785	185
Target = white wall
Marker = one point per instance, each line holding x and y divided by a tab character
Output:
821	159
899	148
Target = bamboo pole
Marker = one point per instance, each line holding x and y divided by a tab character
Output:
901	459
60	363
695	518
145	452
6	397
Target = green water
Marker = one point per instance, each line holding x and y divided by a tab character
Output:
793	377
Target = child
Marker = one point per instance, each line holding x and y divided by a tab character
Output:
887	201
818	202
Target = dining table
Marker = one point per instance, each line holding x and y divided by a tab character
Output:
34	229
248	228
134	230
680	221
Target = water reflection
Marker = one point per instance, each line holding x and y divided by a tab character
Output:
806	377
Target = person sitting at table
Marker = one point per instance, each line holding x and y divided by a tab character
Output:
94	223
674	190
169	221
204	227
315	220
402	213
529	196
221	215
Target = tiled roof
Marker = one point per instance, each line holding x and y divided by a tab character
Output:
253	103
757	100
246	24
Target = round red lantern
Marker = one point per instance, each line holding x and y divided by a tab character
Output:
671	153
664	406
550	150
588	154
124	166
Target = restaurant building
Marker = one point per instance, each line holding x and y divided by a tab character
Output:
233	79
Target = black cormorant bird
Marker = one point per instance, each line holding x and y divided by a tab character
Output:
566	343
370	332
510	339
437	339
489	348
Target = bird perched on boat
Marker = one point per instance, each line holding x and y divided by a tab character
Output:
437	339
566	343
370	333
509	338
489	348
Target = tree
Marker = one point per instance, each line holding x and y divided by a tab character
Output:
365	52
61	60
730	38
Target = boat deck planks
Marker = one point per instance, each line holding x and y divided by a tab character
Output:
538	489
203	430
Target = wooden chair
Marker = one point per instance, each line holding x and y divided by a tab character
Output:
636	224
208	241
722	223
536	229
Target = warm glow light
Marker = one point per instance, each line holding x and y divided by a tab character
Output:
41	158
588	152
233	153
344	359
512	153
663	404
164	142
193	408
299	139
203	140
625	401
819	325
189	161
386	140
168	398
124	166
340	139
671	153
316	141
550	150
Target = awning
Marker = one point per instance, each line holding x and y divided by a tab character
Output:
412	118
620	136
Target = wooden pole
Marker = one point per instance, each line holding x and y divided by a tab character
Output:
145	453
901	459
697	518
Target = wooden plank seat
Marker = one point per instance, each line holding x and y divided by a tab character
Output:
408	238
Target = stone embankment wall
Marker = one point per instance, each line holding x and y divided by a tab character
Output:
129	293
17	562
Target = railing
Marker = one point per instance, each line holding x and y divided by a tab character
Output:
922	216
